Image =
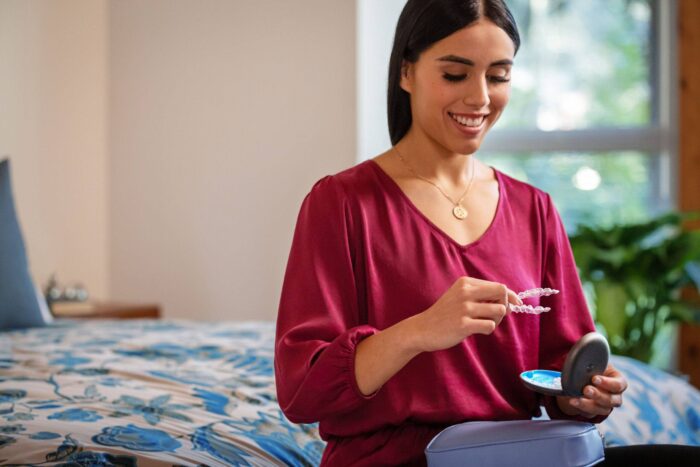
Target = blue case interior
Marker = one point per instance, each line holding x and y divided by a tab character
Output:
587	358
545	381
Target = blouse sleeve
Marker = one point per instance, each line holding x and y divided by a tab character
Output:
569	318
318	322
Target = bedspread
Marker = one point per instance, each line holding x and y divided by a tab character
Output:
145	393
157	393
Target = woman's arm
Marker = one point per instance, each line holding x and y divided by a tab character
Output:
323	350
318	325
470	306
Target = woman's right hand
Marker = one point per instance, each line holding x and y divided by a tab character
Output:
469	306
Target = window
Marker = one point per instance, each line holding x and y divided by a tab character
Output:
591	118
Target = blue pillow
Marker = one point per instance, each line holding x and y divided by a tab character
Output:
19	307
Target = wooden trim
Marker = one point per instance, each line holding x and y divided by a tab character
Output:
689	158
689	352
107	310
689	105
689	95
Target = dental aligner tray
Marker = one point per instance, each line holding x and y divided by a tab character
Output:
533	310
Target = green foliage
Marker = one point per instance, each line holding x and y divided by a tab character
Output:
625	194
582	64
637	272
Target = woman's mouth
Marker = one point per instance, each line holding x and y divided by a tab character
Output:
471	122
471	125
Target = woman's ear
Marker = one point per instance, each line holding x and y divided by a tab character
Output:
406	76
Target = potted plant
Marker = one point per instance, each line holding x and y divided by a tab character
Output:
635	274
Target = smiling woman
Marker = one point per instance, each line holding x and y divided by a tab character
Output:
402	268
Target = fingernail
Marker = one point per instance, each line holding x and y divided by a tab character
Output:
575	402
597	380
588	392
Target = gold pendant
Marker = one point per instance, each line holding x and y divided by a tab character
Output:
459	212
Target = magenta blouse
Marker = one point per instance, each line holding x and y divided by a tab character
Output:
363	258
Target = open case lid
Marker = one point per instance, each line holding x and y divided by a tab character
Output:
587	358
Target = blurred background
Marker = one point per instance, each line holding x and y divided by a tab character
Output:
161	149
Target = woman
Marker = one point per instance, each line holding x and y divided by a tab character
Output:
394	320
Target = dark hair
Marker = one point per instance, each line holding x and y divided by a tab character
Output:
421	24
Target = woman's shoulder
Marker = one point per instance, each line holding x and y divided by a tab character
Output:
348	183
524	192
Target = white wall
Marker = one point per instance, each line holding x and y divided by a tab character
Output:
161	149
53	123
376	25
222	115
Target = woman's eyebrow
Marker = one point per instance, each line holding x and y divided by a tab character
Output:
466	61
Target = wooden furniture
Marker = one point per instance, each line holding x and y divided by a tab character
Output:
689	352
105	310
689	102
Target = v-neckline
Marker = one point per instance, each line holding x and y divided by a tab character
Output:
392	185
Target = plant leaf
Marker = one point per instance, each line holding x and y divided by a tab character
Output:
680	312
611	300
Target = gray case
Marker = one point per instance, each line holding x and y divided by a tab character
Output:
587	358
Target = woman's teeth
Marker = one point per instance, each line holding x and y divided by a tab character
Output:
464	121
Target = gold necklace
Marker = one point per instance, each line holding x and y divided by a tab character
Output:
458	210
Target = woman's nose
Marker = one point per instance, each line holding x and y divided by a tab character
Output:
477	93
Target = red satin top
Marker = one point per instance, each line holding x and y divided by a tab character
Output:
363	258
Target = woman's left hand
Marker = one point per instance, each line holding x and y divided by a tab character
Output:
599	398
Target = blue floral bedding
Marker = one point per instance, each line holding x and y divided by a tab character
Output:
157	393
146	393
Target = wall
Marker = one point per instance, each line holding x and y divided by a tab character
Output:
53	123
222	116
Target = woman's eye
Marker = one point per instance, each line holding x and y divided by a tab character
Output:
453	78
499	79
493	79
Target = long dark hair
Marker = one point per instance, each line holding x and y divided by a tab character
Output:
421	24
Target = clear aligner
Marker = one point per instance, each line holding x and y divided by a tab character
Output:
539	292
533	310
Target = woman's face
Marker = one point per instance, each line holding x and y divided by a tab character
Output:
460	86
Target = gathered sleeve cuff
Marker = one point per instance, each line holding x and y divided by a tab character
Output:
328	387
319	321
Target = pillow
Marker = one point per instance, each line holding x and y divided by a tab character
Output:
657	408
19	307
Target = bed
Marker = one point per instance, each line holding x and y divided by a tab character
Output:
146	393
152	393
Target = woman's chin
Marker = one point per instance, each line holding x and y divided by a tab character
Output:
467	147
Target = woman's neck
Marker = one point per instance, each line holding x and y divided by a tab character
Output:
435	162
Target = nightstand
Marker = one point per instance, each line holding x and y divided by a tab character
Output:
105	310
